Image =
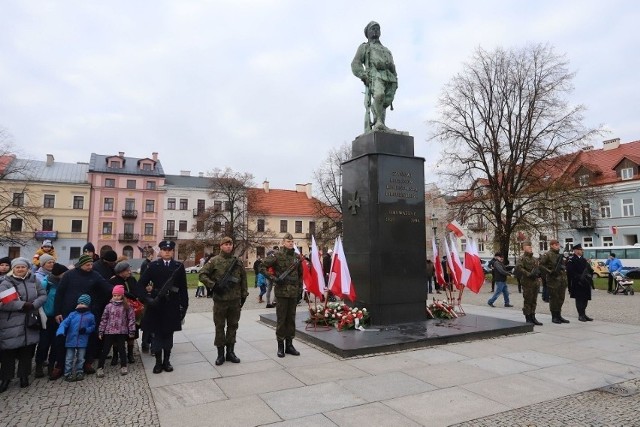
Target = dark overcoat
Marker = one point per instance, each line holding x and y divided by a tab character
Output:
579	277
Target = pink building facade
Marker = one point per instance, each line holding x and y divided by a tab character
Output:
126	203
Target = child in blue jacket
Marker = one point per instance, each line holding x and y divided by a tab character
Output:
77	327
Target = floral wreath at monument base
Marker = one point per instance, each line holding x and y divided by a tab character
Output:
339	315
441	310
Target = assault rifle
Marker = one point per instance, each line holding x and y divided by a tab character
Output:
167	287
284	274
227	281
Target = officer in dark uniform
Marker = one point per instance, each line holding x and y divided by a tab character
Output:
166	305
580	278
287	279
228	298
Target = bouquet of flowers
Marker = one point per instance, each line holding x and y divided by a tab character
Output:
441	310
339	315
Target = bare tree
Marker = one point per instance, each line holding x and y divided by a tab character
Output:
18	208
328	201
509	128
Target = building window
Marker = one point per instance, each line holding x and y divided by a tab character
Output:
147	166
298	226
74	252
261	225
587	242
16	224
107	227
171	204
312	227
543	244
583	180
200	226
586	215
627	207
78	202
128	228
607	241
566	216
182	226
47	225
568	242
184	204
605	209
131	184
227	206
129	204
217	226
115	164
463	244
151	185
150	206
18	199
76	226
217	205
480	245
110	182
49	201
171	225
200	206
626	173
283	225
260	251
148	229
108	204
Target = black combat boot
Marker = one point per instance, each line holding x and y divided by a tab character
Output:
158	367
231	356
589	319
528	318
535	321
280	348
290	349
220	358
555	317
166	364
562	319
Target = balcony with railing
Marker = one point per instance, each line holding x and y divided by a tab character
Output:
477	226
582	224
171	234
128	237
130	213
197	212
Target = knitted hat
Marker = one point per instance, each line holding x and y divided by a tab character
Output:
47	243
118	290
45	258
110	256
89	248
58	269
20	261
5	260
121	266
84	299
83	260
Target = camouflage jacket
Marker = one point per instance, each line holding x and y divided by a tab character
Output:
281	261
527	269
555	276
214	270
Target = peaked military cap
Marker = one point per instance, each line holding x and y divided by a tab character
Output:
167	244
578	246
287	236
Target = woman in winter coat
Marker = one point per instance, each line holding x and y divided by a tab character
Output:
22	295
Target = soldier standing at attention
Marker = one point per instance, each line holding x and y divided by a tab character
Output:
552	265
287	279
528	273
225	274
166	304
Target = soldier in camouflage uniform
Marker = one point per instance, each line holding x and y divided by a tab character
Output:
552	265
227	299
287	290
527	273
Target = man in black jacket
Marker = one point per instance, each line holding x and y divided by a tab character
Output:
580	279
500	274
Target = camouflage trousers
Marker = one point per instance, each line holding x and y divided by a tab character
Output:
226	313
530	296
286	318
557	294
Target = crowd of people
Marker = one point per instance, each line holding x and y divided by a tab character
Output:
70	317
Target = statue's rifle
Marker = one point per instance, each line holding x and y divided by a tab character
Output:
367	94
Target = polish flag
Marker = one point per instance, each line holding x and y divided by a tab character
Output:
473	274
340	279
455	275
438	265
614	230
306	268
8	295
455	227
315	283
457	265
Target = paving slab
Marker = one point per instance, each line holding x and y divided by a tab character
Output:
256	383
183	374
499	365
536	358
385	386
574	377
318	420
433	356
375	414
450	374
387	363
187	394
326	372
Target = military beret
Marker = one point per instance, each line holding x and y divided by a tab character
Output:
167	244
226	239
287	236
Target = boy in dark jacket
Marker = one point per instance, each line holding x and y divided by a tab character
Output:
77	327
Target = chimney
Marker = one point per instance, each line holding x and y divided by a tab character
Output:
200	174
50	159
304	188
185	173
154	156
610	144
265	185
121	154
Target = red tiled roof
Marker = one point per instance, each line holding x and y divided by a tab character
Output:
608	160
282	202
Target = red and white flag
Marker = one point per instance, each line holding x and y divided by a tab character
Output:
340	279
457	265
9	295
455	275
455	227
614	230
438	265
315	283
473	274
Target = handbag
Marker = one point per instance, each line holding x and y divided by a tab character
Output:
33	320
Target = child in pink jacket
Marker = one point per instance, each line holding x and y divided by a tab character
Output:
118	323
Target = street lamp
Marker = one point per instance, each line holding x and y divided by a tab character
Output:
434	224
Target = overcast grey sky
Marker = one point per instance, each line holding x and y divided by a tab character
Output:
265	86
